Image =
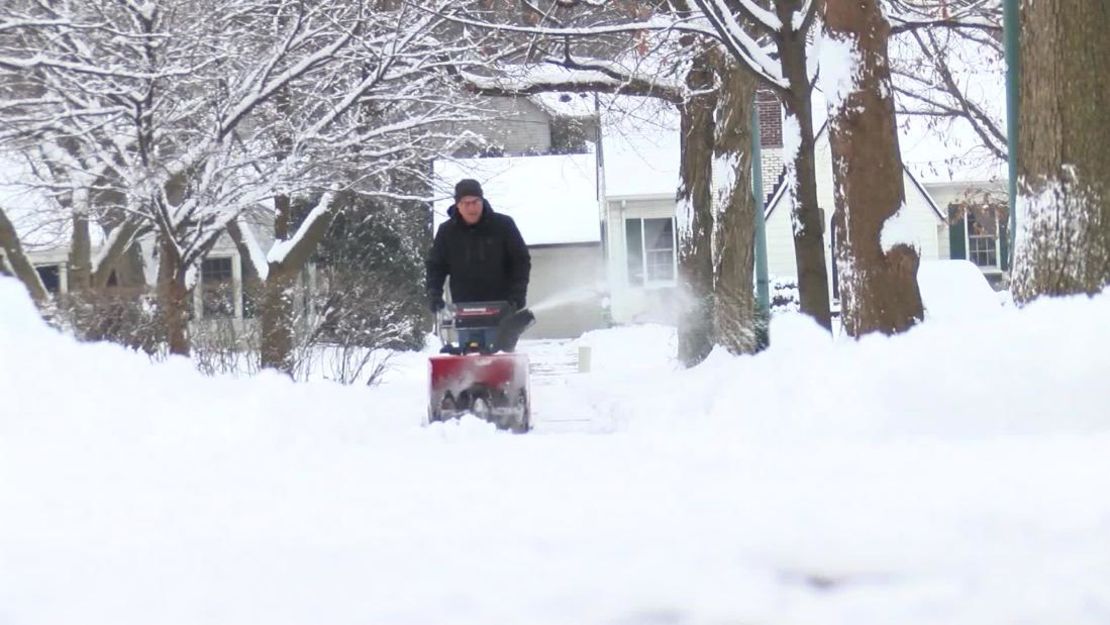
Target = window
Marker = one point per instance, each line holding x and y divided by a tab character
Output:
218	292
51	277
982	238
651	251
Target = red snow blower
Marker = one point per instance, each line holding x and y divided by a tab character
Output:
477	371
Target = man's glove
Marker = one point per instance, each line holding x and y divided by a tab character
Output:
435	302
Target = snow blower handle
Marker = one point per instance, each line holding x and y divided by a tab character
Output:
445	322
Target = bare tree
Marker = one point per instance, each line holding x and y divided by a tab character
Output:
948	69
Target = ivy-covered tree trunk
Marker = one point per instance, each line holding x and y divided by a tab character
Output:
734	237
695	216
878	280
1063	203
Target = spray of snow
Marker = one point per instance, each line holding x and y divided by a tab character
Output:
570	296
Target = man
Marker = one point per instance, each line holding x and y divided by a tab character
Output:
481	250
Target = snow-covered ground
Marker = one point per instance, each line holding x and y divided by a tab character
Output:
954	475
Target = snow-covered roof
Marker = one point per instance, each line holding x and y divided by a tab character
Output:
641	150
552	199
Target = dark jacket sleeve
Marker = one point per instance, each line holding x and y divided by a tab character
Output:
520	264
435	266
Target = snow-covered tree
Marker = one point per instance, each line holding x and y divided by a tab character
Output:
192	113
773	41
878	276
1063	204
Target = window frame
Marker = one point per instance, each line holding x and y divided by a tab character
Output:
646	282
997	236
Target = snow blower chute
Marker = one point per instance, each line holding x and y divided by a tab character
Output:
477	371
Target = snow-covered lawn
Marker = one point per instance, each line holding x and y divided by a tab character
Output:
958	474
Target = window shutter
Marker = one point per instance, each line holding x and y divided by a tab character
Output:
957	234
1003	245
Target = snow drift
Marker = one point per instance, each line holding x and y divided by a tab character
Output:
952	475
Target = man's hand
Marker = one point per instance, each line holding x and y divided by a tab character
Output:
518	302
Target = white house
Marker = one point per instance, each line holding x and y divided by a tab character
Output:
921	223
641	175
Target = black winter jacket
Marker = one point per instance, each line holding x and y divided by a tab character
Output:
487	261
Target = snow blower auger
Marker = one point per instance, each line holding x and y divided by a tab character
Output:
477	371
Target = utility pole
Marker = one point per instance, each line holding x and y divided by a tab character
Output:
1012	26
762	284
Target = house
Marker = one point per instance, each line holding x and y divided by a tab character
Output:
920	223
944	217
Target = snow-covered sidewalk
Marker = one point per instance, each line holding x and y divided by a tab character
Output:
954	475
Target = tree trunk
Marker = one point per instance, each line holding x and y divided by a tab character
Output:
79	265
809	226
279	288
277	319
123	254
173	298
17	260
695	217
1063	203
878	289
734	237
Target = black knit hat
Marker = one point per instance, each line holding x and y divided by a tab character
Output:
468	188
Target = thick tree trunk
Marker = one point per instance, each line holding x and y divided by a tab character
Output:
173	298
695	217
1063	204
878	287
277	319
17	260
734	237
809	227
